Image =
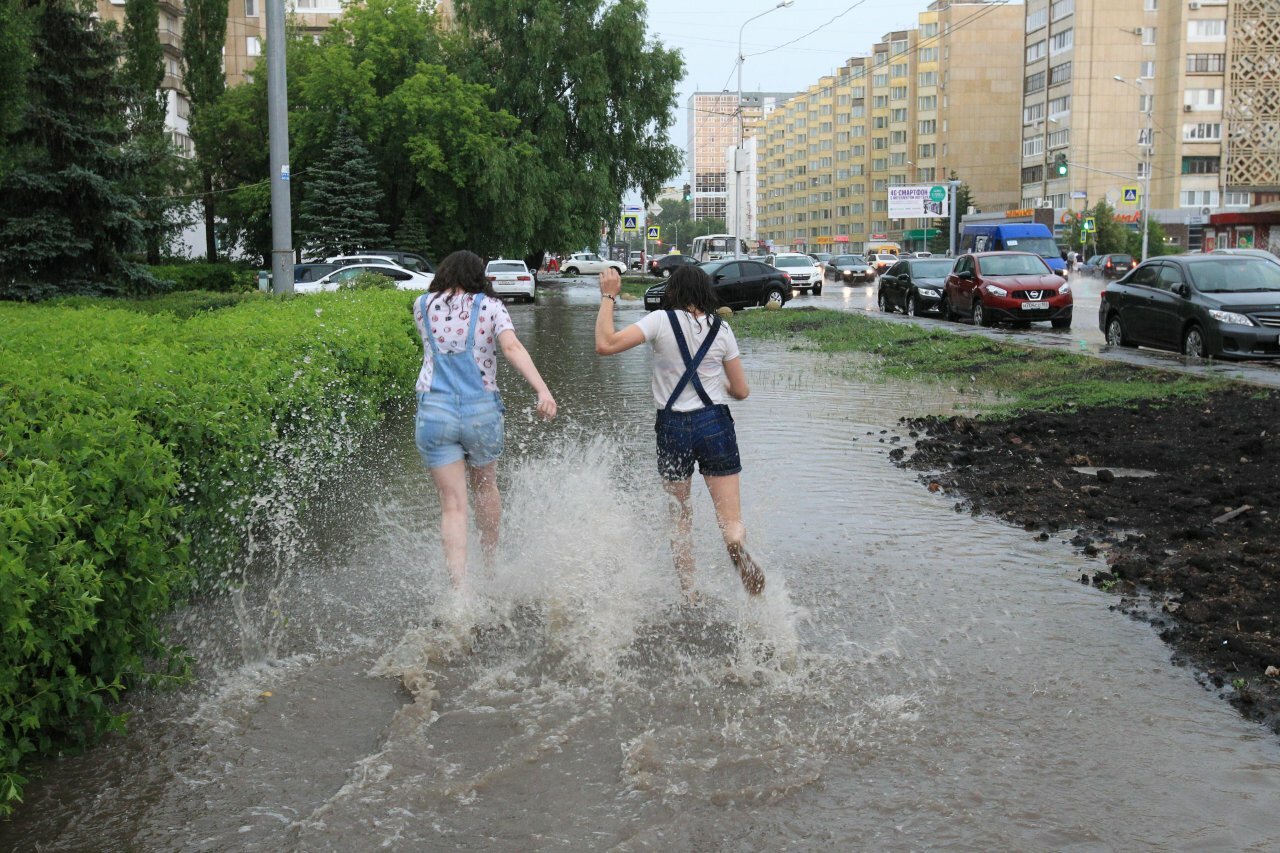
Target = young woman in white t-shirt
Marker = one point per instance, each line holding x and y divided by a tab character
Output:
696	368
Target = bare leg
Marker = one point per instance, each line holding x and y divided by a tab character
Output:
484	485
728	503
682	536
451	483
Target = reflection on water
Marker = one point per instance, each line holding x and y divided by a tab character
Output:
914	677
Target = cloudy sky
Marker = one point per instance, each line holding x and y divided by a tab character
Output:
823	34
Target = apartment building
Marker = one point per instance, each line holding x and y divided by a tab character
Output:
1180	98
713	127
925	103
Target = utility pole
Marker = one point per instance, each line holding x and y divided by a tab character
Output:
955	214
738	154
278	131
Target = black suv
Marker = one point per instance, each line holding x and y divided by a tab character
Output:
1110	267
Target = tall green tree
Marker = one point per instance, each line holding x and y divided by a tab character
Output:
15	61
340	212
67	215
204	34
595	98
1110	236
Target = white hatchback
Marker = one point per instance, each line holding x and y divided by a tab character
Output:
511	278
805	272
403	278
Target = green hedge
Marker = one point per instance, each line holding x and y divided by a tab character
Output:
131	438
221	278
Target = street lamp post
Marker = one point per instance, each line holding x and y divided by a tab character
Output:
1146	156
737	153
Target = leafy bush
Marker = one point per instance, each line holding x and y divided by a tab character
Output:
222	278
131	440
368	281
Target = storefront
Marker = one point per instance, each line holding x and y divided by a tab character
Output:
1253	228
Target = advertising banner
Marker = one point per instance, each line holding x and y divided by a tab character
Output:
922	202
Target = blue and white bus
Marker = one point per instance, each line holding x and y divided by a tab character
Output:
1013	237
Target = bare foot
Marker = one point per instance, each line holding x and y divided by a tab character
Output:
752	575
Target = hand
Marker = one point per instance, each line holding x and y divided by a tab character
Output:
610	282
546	405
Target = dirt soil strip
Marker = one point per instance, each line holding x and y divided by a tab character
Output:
1194	549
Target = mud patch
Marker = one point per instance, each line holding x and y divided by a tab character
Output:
1194	549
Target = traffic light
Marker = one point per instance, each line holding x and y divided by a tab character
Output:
688	192
1060	164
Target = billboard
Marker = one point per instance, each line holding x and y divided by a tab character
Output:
922	202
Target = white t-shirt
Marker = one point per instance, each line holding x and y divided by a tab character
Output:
668	365
450	317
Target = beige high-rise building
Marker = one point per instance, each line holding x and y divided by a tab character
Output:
925	103
1177	98
713	126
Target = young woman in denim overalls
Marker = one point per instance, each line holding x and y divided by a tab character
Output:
695	368
459	429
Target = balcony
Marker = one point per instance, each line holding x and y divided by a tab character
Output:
174	6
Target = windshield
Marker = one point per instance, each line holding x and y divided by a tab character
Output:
932	269
506	266
1045	247
1012	265
849	261
711	267
1235	274
793	261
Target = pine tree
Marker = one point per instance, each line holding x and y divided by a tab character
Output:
66	212
412	236
15	62
204	34
339	213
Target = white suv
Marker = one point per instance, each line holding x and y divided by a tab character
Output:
510	278
589	263
805	272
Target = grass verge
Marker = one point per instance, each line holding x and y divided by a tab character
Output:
1026	378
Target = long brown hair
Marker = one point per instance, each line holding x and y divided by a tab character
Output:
461	271
689	287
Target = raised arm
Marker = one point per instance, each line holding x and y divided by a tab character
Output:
523	362
609	341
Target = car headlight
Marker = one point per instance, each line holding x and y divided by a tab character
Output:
996	291
927	291
1230	317
1066	288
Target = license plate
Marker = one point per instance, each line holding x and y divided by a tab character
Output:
1034	306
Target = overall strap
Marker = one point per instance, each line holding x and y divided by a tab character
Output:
475	315
691	364
426	324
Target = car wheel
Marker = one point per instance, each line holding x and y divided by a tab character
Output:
913	307
885	307
1061	323
1193	342
980	317
945	308
1115	332
570	270
773	297
817	290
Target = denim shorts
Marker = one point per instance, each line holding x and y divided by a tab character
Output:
450	428
705	436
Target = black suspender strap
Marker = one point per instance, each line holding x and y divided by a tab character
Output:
691	364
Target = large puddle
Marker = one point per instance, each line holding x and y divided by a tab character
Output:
914	677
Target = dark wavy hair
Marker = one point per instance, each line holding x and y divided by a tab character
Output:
690	287
461	271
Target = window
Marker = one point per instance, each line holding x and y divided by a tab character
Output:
880	80
879	164
1147	69
1145	136
1033	112
1146	103
898	115
1059	73
1061	41
1236	199
859	111
925	152
1150	5
1215	30
927	103
900	47
1199	198
928	54
898	69
1033	83
898	93
1060	138
253	46
928	30
1148	35
1033	147
928	127
927	174
878	185
1037	19
897	159
1057	106
897	137
1203	99
1035	51
927	78
880	122
859	150
859	92
251	8
879	143
1033	174
1201	165
1060	9
1206	63
1202	132
879	101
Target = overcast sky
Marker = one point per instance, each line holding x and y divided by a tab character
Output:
706	32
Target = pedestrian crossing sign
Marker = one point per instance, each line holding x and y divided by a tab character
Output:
1130	194
631	223
655	233
1089	224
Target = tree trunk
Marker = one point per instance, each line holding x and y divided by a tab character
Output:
210	238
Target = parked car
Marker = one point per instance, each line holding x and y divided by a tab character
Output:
1111	266
1016	286
738	284
664	266
348	260
805	272
881	261
303	273
914	285
846	269
404	279
589	263
511	278
1202	305
820	257
636	260
408	260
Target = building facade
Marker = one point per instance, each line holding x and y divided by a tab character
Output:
713	127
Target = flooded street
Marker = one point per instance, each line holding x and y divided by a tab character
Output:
914	677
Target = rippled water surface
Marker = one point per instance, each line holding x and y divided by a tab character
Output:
914	677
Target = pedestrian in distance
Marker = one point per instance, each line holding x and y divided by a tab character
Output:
459	426
696	368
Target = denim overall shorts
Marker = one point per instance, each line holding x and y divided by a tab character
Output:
704	435
457	419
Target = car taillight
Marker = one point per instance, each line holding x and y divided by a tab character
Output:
492	277
1133	265
1108	264
524	278
786	277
